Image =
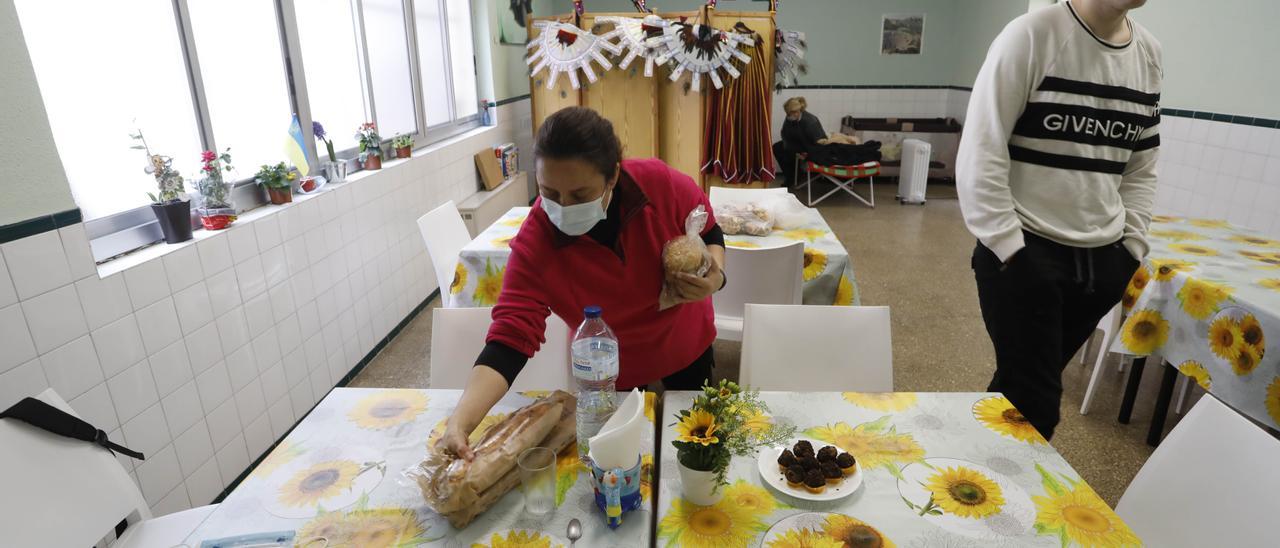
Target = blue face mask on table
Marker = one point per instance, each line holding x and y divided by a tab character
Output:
575	220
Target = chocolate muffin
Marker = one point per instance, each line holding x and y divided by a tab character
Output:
814	481
809	463
831	472
795	476
803	448
847	463
786	459
827	453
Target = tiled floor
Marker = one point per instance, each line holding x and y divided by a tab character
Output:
915	259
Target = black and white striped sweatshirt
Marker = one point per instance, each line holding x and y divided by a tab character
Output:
1061	136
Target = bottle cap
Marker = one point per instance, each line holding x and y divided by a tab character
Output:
592	311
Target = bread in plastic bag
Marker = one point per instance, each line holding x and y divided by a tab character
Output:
685	254
751	218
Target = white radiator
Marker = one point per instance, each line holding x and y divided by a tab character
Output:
914	176
483	208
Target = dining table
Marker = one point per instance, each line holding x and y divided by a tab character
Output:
937	470
828	269
344	476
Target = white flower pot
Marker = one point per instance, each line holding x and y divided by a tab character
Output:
699	487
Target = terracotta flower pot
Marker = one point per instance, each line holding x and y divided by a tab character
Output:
280	195
404	152
372	161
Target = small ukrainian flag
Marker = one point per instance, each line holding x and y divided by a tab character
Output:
295	147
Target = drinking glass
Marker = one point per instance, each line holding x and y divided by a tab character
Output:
538	479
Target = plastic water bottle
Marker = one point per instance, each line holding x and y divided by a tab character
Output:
595	367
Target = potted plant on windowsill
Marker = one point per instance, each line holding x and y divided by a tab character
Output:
335	171
725	421
172	211
403	145
370	146
216	210
277	180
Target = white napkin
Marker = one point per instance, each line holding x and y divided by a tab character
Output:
618	443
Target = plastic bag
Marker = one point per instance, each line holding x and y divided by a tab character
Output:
787	212
744	218
687	254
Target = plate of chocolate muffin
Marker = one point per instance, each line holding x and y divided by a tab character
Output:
810	470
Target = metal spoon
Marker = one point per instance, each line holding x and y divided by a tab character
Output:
574	532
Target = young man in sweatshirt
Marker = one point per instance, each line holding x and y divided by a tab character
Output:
1056	175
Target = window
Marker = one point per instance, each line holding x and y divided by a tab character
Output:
197	75
130	75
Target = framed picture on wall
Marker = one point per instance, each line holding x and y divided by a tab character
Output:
511	20
901	34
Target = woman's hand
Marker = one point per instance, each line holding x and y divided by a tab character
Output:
693	288
454	440
485	387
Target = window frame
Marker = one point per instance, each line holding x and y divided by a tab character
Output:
129	230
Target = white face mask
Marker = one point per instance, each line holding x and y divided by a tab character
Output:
575	220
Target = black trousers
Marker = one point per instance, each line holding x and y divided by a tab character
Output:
692	377
787	160
1039	309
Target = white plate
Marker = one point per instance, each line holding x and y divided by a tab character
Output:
767	462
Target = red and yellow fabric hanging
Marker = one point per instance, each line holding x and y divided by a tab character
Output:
737	142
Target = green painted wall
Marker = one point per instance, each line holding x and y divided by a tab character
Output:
977	23
1218	56
510	73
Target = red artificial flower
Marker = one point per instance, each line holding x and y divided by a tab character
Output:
208	156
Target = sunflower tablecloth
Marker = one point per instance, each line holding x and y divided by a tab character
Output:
1205	300
939	469
339	476
828	270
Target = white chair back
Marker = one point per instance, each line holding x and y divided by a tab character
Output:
445	235
60	491
722	195
457	337
771	275
817	348
1212	482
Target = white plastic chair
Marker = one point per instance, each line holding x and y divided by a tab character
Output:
457	337
817	348
1109	325
60	491
722	195
1211	482
770	275
445	235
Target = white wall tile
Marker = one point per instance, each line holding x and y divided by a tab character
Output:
233	331
266	350
282	304
148	432
183	268
194	310
20	382
249	274
182	408
233	459
175	501
215	255
303	285
214	386
258	436
72	369
299	397
159	325
55	318
37	264
321	382
295	367
204	347
243	241
193	447
224	424
258	315
8	295
95	407
119	345
76	246
132	391
281	415
308	318
295	254
250	403
205	484
274	266
224	292
274	384
241	367
159	474
289	334
147	283
171	367
1271	172
104	300
268	231
15	338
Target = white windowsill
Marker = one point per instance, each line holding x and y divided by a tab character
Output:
160	249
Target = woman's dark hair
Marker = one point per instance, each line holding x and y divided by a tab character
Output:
580	133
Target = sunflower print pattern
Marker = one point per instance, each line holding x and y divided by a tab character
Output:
844	292
519	538
882	401
875	444
459	279
378	527
489	286
815	261
1273	399
742	244
1167	270
1176	235
1197	372
310	486
806	234
1200	299
851	531
1208	223
965	492
805	538
1270	283
1071	511
1194	249
725	523
1144	332
999	415
387	409
283	454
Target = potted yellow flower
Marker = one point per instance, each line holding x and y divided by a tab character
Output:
715	429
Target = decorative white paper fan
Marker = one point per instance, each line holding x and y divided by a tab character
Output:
700	49
562	47
634	34
789	47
